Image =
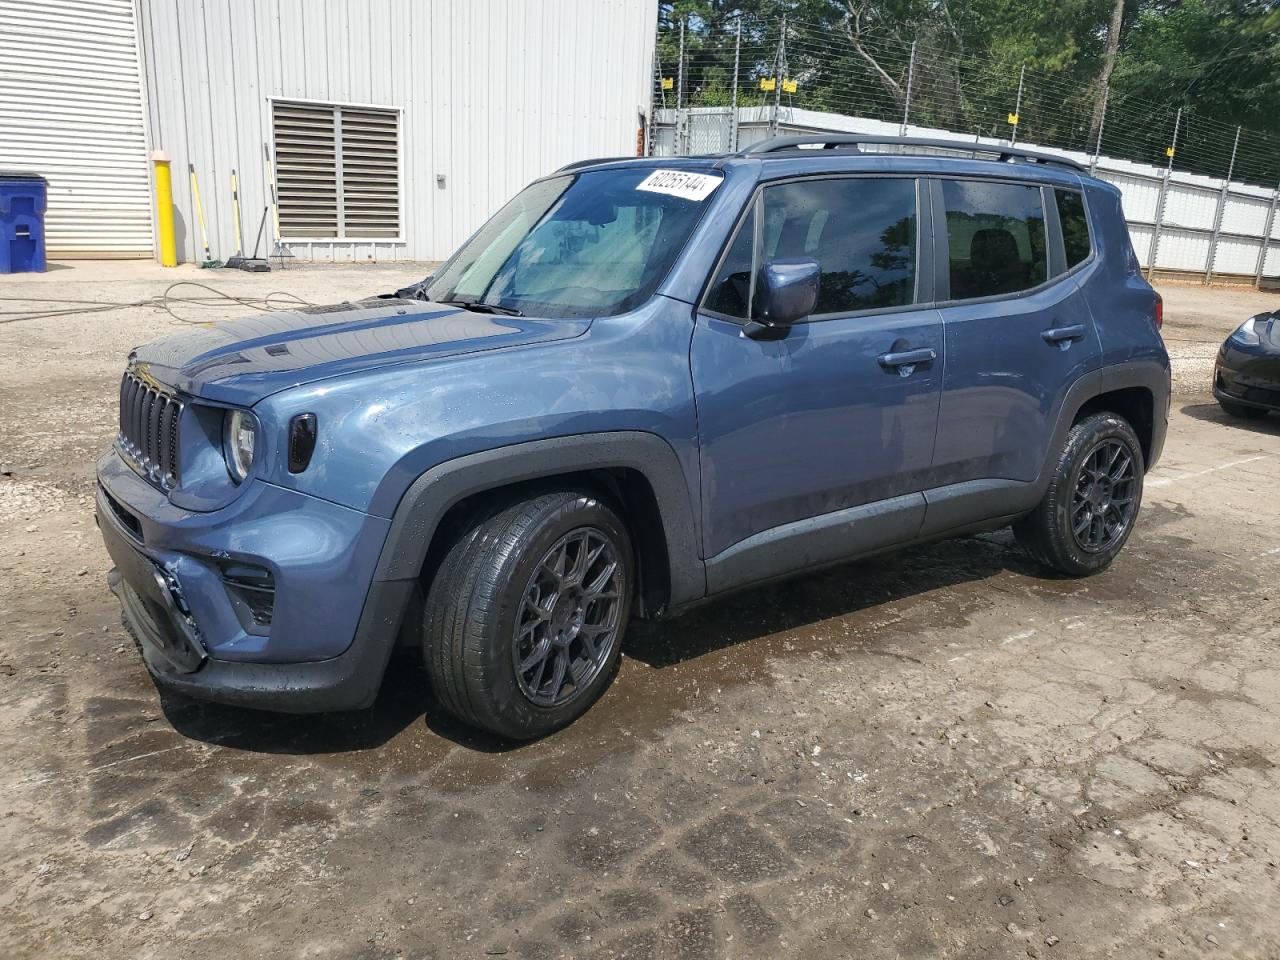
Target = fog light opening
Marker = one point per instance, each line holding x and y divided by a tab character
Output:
252	591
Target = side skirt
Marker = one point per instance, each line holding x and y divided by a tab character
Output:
868	529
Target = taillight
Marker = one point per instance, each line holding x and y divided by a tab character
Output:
1159	312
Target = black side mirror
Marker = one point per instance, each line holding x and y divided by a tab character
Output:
415	291
786	292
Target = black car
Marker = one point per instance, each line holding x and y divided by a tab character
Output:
1246	378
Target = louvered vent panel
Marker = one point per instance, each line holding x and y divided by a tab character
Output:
370	173
337	171
306	169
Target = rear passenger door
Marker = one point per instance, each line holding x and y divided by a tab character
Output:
841	410
1018	333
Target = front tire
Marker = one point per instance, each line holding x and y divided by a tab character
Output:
1092	502
525	618
1241	410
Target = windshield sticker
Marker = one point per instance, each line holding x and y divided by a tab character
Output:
680	183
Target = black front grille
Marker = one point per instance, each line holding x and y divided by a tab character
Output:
149	429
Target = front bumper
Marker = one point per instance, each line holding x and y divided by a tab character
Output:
333	627
1248	375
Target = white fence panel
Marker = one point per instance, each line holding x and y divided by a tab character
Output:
1245	214
1191	201
1190	206
1237	255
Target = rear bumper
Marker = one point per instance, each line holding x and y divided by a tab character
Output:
327	652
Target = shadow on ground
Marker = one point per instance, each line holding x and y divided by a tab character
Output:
737	621
1213	413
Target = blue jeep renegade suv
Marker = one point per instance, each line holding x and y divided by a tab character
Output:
643	383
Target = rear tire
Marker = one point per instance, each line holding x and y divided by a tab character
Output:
1242	411
1092	502
518	585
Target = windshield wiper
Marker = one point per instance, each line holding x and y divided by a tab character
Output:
477	307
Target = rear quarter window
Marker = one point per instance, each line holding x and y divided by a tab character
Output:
1075	226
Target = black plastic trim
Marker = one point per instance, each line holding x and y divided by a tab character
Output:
427	500
816	541
349	681
959	504
1155	377
1055	251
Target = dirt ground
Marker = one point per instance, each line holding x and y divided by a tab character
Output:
943	752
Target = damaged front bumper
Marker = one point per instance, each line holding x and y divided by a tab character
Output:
319	643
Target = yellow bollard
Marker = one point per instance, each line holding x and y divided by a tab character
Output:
164	209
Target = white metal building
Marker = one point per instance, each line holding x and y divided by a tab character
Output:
393	127
71	109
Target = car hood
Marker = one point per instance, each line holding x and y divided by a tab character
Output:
242	361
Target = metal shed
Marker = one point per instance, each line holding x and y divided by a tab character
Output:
71	109
393	127
397	126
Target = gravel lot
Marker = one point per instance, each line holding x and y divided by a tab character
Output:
939	753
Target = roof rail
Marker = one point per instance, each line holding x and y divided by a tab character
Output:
578	164
835	141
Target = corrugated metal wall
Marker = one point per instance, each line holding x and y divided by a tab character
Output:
493	94
71	110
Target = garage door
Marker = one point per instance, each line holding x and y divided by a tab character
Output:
71	110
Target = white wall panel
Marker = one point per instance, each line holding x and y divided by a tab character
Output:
1245	214
1140	237
1236	255
1138	196
1187	206
71	109
1182	249
493	94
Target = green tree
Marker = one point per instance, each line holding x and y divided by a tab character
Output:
1218	59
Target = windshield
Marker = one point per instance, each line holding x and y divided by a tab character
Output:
587	244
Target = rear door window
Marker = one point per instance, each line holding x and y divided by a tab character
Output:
861	230
995	236
1075	226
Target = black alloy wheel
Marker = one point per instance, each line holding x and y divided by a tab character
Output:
1102	505
569	619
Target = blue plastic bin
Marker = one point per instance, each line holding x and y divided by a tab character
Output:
23	199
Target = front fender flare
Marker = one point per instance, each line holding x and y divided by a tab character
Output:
429	498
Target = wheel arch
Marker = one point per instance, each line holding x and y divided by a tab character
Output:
1140	389
1135	404
639	471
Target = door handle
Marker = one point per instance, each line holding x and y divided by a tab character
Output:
904	361
1063	336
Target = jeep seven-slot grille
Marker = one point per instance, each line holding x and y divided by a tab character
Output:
149	429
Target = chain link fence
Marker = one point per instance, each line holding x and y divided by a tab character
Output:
1200	195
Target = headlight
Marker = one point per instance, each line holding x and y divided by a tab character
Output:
239	436
1246	333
